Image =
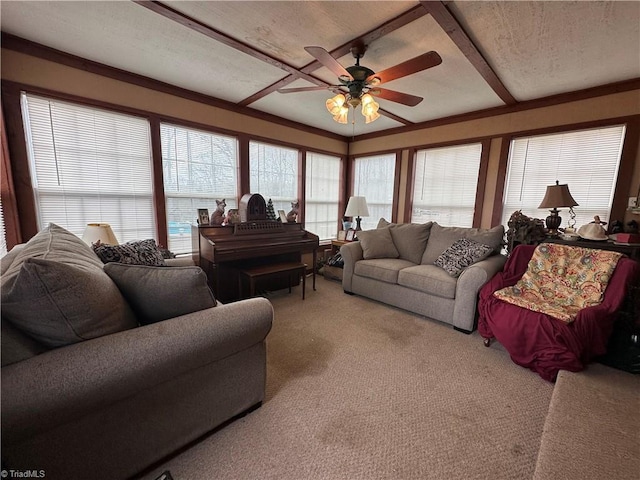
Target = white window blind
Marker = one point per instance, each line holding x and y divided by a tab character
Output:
586	160
198	169
322	195
273	173
373	179
445	184
90	165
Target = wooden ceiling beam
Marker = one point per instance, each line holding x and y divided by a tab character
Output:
452	27
210	32
378	32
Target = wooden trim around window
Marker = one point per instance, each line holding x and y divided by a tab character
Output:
496	217
482	182
411	173
625	171
302	186
158	183
396	187
25	201
9	207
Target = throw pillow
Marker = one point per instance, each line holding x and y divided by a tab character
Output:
159	293
56	292
461	254
377	244
137	252
441	238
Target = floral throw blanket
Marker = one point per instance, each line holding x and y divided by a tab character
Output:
561	280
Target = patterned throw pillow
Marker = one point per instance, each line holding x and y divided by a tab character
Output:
461	254
137	252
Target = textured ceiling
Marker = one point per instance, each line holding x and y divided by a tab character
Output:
532	49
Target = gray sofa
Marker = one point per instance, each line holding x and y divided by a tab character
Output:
118	397
398	264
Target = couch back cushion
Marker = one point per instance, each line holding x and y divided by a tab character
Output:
56	292
377	244
441	238
409	238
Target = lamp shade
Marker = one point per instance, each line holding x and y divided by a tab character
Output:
357	207
102	232
558	196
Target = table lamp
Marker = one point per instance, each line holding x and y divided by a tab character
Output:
101	232
357	207
558	196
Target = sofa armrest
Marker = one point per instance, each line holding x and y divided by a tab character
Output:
64	384
469	284
351	253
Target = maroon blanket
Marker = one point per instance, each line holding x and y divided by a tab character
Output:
539	342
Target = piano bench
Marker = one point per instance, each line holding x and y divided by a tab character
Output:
256	273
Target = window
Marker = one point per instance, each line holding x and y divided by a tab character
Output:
90	165
445	184
586	160
322	195
274	174
373	178
198	169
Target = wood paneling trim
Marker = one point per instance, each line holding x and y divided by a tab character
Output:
625	172
158	183
33	49
396	187
452	27
9	207
482	182
549	101
302	186
25	201
503	161
411	172
244	186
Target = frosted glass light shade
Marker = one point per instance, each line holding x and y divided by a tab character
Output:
99	231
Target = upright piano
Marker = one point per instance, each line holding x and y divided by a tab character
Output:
222	251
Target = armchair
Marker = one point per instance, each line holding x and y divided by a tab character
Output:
540	342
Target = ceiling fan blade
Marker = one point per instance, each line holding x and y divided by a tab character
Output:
328	61
417	64
398	97
301	89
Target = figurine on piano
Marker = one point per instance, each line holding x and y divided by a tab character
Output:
217	217
293	214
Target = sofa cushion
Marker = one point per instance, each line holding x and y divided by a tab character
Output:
159	293
442	238
428	279
409	238
56	291
461	254
383	269
377	244
136	252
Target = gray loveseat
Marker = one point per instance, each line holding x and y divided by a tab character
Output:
398	264
117	397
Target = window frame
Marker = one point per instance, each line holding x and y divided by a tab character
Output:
630	150
485	145
396	181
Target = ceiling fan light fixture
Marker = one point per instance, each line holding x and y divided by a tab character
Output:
370	108
341	117
335	105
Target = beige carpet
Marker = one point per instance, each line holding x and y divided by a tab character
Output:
359	390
